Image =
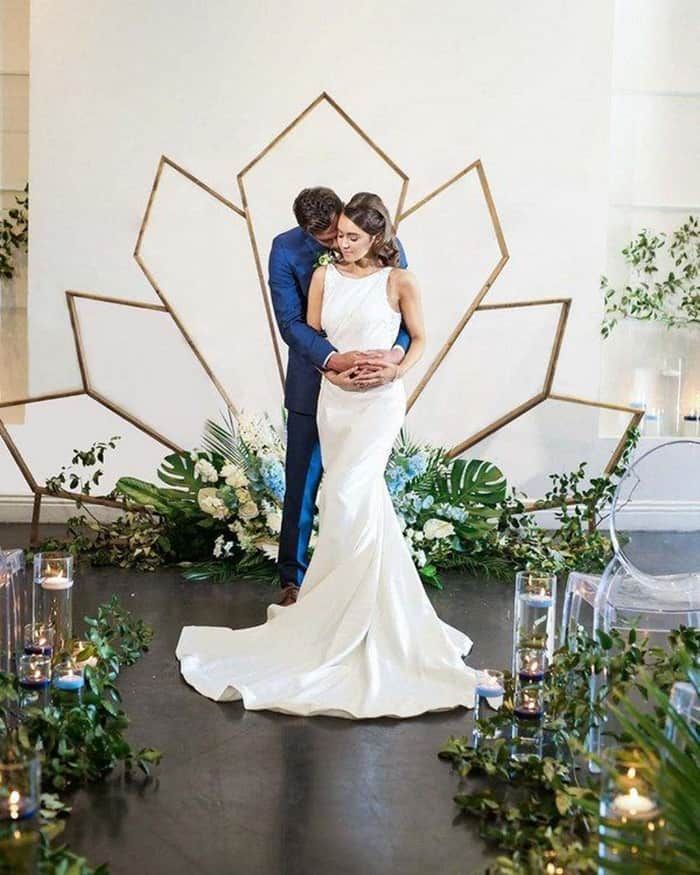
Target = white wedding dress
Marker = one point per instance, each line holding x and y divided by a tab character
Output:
362	639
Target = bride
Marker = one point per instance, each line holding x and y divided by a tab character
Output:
362	639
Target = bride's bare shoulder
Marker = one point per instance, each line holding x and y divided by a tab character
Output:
403	279
319	274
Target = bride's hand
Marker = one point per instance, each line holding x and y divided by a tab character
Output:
344	380
361	379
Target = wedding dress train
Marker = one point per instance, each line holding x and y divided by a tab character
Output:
363	639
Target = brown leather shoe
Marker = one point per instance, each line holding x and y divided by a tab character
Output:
289	595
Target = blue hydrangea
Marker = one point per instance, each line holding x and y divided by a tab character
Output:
272	472
428	502
396	480
416	465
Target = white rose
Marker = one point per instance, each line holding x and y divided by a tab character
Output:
434	529
273	520
205	471
313	539
248	511
242	495
218	547
418	536
420	558
234	477
210	503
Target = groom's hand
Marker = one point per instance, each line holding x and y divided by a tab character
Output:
344	361
374	358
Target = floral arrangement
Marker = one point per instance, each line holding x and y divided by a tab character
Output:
233	489
219	512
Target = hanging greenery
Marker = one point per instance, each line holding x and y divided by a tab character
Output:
673	299
14	234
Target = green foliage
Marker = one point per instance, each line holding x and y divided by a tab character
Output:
673	300
82	474
579	504
545	810
82	743
14	234
137	539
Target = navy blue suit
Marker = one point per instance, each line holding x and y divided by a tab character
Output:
291	266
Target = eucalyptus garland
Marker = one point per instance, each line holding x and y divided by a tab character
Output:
543	811
82	743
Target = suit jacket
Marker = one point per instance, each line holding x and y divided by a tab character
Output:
291	266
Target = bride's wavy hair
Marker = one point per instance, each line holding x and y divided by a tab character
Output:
368	211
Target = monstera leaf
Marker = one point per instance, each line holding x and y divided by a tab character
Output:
144	493
177	470
474	483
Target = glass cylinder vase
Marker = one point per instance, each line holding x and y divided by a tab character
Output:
20	787
67	684
630	817
10	631
53	587
34	675
534	613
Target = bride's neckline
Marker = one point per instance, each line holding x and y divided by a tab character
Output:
366	276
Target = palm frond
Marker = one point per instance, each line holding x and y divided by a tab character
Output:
223	439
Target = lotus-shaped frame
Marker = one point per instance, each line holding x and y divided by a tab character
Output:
246	214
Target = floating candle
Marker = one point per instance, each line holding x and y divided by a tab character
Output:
490	684
57	582
634	805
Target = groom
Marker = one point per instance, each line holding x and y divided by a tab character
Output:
293	258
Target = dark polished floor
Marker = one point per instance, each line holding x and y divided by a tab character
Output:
256	792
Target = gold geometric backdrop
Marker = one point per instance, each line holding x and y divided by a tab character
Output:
472	306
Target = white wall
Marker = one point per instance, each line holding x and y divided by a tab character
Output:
525	87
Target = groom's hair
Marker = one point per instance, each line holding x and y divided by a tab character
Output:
315	208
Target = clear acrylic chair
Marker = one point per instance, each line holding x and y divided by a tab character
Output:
652	583
580	591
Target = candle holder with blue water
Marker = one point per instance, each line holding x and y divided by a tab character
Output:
38	639
20	788
489	692
68	683
630	816
527	737
530	665
34	675
534	612
53	594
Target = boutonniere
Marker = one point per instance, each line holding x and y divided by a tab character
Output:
325	257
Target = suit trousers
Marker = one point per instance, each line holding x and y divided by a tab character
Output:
303	471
